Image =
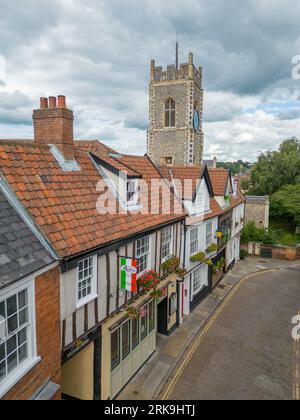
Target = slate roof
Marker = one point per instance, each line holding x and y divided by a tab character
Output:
63	204
21	254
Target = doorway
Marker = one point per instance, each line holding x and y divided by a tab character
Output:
162	317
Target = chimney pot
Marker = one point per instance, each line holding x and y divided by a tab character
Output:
52	102
61	101
44	103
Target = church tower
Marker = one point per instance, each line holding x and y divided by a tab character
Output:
175	135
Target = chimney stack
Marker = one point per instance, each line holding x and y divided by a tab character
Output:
53	124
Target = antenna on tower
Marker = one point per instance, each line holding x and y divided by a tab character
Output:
177	52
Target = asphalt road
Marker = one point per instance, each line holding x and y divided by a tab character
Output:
248	352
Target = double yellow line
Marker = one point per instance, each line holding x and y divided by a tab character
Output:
190	354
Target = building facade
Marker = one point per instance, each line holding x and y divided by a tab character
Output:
30	362
258	211
90	205
175	135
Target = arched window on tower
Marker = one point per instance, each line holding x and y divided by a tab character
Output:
170	113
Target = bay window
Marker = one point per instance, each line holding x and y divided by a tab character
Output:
17	335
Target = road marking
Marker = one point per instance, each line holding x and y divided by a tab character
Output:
296	393
197	343
202	336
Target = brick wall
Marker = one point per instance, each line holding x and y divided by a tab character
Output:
48	338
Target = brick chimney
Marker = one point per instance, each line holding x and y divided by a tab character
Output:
53	124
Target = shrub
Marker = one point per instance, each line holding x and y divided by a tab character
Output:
212	248
243	254
198	257
171	265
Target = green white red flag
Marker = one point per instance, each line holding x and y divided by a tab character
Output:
128	275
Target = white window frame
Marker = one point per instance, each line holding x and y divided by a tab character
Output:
32	360
192	242
94	283
165	243
135	201
146	254
195	291
209	235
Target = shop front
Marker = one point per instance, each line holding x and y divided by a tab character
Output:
129	341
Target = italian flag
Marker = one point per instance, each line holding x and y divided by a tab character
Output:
129	275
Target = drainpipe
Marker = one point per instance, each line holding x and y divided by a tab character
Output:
181	282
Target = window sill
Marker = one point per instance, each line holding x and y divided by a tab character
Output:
18	375
85	302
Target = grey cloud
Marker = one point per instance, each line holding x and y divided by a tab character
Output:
97	52
14	108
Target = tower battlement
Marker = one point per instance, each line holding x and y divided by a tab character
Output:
186	71
175	135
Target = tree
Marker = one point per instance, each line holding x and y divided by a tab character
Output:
286	203
275	170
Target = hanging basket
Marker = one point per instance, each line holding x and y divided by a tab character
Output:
149	280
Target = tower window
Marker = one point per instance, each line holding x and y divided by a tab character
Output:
170	113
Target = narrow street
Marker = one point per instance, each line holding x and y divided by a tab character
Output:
247	352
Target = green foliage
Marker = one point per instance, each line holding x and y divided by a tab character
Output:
270	236
236	167
198	257
285	203
243	254
275	170
252	233
212	248
171	265
219	266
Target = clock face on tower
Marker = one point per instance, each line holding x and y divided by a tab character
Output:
196	120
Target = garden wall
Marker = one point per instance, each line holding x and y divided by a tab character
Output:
277	252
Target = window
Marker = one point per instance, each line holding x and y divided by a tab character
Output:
151	316
115	349
87	281
144	324
132	193
197	281
173	304
209	233
17	335
125	340
135	333
194	241
167	238
170	113
168	161
142	253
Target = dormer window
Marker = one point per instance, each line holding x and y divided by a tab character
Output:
132	193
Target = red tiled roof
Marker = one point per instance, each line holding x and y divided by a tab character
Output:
188	175
63	204
219	180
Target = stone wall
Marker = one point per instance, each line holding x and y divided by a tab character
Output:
258	210
278	252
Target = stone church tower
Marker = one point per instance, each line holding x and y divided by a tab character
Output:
175	135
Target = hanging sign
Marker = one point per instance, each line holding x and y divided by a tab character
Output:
128	275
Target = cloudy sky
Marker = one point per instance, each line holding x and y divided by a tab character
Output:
97	53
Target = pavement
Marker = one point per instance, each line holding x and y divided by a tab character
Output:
172	374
